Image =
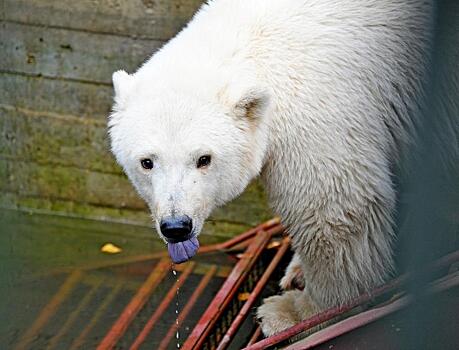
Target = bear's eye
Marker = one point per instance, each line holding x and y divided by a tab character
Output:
147	163
203	161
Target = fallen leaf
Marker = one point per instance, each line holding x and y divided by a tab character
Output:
243	296
110	248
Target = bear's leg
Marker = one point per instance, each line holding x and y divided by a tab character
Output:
343	251
293	278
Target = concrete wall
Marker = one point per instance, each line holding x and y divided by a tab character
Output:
56	60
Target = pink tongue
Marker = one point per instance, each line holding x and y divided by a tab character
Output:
183	251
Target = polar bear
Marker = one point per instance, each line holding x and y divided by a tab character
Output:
318	97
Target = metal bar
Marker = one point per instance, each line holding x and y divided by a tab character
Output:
187	308
242	237
97	315
227	291
446	260
349	324
367	317
49	310
117	262
240	246
74	314
162	307
255	336
163	254
136	303
322	317
245	310
449	281
336	311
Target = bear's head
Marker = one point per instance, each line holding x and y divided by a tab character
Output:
187	152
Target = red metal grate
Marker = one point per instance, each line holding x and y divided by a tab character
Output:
137	314
241	271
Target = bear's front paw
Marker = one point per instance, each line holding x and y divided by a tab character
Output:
283	311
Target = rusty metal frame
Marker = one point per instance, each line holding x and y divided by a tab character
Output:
250	243
257	334
246	308
236	298
109	298
242	238
84	302
372	315
49	310
331	313
206	333
162	307
187	308
137	302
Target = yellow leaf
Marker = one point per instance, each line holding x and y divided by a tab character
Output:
110	248
243	296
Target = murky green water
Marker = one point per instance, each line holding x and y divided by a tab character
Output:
59	291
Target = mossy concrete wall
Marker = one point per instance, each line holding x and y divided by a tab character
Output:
56	61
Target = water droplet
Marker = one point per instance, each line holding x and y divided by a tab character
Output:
177	335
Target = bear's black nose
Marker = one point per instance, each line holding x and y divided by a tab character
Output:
176	228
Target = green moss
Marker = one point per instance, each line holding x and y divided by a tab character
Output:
109	197
46	139
214	230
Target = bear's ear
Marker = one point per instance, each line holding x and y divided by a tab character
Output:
251	104
122	83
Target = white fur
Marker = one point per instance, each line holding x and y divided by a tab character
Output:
318	95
